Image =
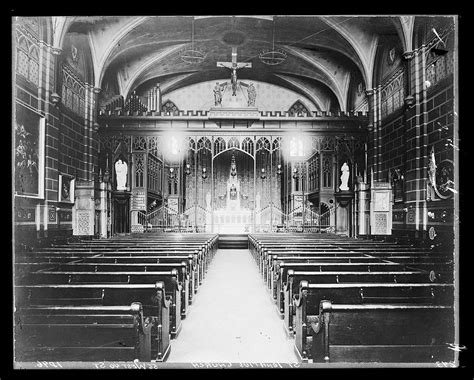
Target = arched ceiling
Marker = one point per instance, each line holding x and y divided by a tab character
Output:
323	52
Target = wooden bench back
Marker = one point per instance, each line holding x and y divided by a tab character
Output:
117	333
397	333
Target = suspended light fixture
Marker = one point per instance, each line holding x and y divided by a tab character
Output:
295	173
233	167
192	55
272	56
172	174
204	173
188	169
279	171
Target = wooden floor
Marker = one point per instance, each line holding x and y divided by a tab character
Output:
232	318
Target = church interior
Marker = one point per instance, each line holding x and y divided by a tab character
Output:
235	191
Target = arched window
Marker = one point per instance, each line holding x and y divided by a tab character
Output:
27	60
33	74
169	106
73	92
298	108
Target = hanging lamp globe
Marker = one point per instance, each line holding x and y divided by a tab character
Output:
272	57
192	56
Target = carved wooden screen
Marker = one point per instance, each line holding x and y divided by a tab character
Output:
247	145
219	145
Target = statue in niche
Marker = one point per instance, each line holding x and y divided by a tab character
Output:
208	200
121	170
430	186
233	192
344	177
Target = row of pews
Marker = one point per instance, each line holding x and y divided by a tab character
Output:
349	300
121	299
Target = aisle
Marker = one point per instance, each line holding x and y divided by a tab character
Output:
232	318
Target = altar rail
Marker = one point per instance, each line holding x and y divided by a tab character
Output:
165	220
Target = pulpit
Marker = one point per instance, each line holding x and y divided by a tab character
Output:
121	212
344	200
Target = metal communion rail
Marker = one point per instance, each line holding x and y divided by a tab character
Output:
269	219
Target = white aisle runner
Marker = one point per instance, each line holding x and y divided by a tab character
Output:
232	318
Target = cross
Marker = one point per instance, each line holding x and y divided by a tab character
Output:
234	66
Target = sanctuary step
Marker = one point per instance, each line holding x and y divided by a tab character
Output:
233	241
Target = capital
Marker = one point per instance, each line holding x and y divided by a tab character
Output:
369	91
408	55
97	90
56	50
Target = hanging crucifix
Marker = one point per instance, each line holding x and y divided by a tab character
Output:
234	66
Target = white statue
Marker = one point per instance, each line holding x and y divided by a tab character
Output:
208	200
257	201
121	170
344	177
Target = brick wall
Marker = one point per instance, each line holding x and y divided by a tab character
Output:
66	149
403	140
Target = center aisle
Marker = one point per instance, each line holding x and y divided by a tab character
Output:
232	318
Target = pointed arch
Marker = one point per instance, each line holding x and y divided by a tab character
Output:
169	106
34	52
247	146
366	54
263	144
219	146
339	88
23	43
298	108
101	63
191	144
204	144
405	27
233	143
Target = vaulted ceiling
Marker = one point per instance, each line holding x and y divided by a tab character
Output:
323	54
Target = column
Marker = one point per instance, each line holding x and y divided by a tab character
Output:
103	209
362	199
370	153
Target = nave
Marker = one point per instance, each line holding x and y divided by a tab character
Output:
178	298
233	319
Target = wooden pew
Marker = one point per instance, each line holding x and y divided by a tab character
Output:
186	277
152	297
199	263
375	333
278	278
275	263
416	257
280	243
83	333
168	278
310	296
288	287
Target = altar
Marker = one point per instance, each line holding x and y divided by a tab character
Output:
233	218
